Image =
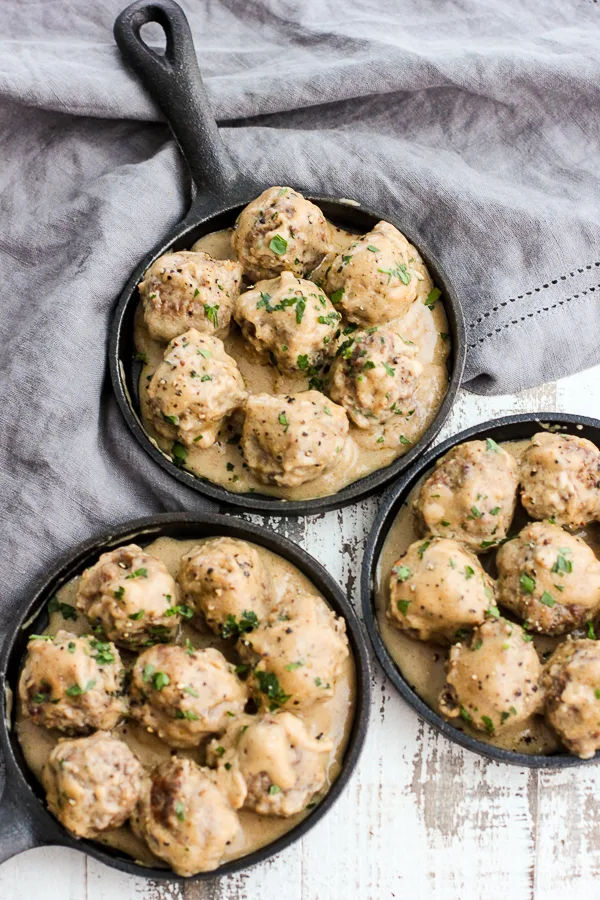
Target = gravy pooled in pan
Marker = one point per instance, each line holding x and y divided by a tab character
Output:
488	592
288	357
188	703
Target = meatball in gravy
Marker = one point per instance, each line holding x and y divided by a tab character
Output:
493	680
74	684
184	818
131	597
290	439
280	231
438	591
189	289
560	479
225	581
374	376
92	784
571	684
270	764
291	319
549	578
471	495
183	694
194	389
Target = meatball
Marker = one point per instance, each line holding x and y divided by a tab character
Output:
184	694
291	319
493	680
189	289
270	763
374	376
74	684
560	479
92	783
438	590
297	655
572	697
471	495
289	439
225	580
193	390
549	578
131	597
184	818
375	279
280	231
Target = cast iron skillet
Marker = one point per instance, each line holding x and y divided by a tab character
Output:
24	820
510	428
174	82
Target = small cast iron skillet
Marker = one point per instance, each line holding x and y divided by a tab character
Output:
24	820
510	428
175	83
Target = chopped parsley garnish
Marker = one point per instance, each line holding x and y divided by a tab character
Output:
469	572
204	352
423	548
475	513
465	714
337	295
65	609
432	297
139	573
179	454
141	357
274	789
103	655
212	314
283	421
391	372
174	420
248	622
489	725
180	609
492	445
493	612
179	810
76	691
591	631
160	680
495	511
329	319
401	272
562	566
372	248
404	440
547	599
402	573
206	378
268	684
403	606
292	666
119	593
527	583
278	245
136	615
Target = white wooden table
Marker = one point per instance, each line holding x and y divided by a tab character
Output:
421	817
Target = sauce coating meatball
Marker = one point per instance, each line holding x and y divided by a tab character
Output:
270	764
92	783
560	479
280	231
572	697
291	319
189	289
438	590
492	681
184	818
289	439
374	376
131	596
74	684
297	655
471	495
376	278
225	581
549	578
192	391
184	694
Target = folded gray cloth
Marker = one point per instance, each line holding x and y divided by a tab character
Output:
477	122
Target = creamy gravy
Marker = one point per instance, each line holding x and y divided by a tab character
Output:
365	451
333	716
422	664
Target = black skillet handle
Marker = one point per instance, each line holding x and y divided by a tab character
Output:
175	83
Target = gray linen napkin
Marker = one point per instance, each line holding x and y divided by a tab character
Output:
475	121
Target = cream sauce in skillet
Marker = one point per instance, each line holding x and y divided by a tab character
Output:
422	664
365	451
333	717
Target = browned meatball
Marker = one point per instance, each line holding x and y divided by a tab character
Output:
493	680
184	818
270	763
194	389
131	596
470	495
560	479
549	578
74	684
291	319
225	580
92	783
189	289
571	682
289	439
438	590
298	655
376	278
374	376
183	695
280	231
